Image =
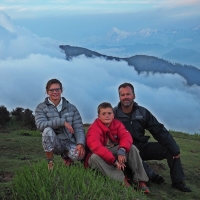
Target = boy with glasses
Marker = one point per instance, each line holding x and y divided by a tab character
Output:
61	126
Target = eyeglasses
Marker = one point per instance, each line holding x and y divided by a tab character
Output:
56	90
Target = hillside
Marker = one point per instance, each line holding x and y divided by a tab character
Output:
141	63
22	150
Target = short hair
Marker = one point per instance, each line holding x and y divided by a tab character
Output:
123	85
53	81
104	105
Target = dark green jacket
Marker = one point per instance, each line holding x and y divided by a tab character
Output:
142	119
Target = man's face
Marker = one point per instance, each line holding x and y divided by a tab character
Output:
106	116
126	96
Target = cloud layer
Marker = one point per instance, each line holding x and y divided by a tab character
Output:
27	62
81	6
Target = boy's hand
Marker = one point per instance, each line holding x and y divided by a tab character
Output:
69	127
81	150
120	166
121	159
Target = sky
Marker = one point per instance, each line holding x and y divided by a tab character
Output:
77	21
30	35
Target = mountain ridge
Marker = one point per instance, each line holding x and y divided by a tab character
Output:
141	63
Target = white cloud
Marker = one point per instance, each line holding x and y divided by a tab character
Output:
21	9
23	42
6	22
30	61
88	82
196	28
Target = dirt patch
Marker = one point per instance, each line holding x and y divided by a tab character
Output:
156	166
25	158
26	134
6	176
193	151
4	131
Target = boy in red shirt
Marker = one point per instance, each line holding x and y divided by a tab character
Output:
111	148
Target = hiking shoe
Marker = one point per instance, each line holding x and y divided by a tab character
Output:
142	187
50	165
157	179
126	183
181	186
67	161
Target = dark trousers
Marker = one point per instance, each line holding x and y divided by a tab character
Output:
156	151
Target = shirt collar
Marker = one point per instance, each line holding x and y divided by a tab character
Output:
59	105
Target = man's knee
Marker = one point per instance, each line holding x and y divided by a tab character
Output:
153	151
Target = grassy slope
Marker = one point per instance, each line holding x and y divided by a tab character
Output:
17	151
190	157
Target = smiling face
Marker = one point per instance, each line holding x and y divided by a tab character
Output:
54	91
106	116
126	97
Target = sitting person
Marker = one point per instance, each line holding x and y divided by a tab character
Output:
111	149
61	126
137	119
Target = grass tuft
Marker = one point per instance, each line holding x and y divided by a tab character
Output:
74	182
28	132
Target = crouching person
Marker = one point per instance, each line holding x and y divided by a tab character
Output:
110	149
61	126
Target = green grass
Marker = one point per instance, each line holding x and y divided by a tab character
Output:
190	158
24	174
28	132
75	182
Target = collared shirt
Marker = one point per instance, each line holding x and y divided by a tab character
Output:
59	106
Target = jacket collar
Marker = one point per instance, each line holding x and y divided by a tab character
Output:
65	103
119	108
104	128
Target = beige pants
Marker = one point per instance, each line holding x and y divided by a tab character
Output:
133	160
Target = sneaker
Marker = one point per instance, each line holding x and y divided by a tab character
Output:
157	179
181	186
126	183
67	161
50	165
142	187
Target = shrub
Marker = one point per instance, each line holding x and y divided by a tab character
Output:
4	116
18	114
25	117
28	132
29	119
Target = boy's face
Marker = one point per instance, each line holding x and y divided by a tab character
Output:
106	116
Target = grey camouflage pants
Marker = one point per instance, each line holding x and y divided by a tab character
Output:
51	142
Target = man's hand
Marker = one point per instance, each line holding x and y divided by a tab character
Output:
178	156
69	127
81	150
121	159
